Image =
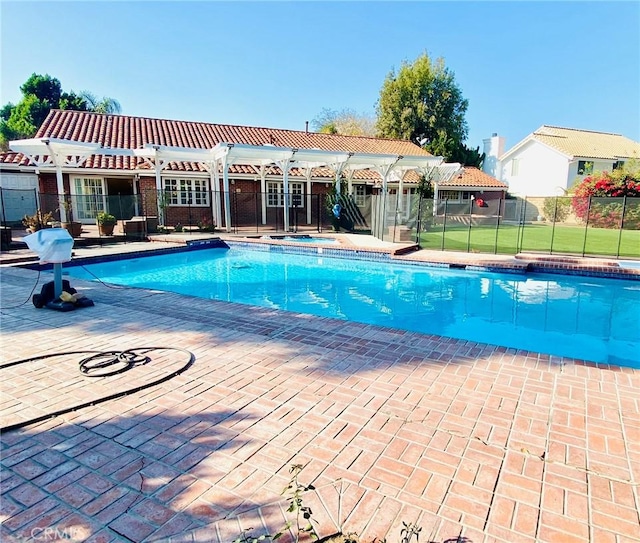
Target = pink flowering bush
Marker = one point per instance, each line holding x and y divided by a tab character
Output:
600	198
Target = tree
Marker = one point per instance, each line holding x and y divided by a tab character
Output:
467	156
41	94
103	105
346	122
422	103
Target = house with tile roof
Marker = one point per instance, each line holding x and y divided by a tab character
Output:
552	159
122	172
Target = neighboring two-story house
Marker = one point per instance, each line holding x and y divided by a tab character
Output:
550	160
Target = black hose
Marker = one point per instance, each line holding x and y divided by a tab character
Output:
99	360
29	298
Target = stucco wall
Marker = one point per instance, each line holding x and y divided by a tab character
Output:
542	171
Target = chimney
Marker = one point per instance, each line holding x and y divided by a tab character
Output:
493	149
306	127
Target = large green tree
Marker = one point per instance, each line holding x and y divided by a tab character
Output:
422	103
467	156
347	122
41	94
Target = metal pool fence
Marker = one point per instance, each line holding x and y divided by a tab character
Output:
549	225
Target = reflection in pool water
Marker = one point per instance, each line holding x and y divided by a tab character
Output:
586	318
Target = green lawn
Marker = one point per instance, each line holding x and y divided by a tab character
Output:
534	237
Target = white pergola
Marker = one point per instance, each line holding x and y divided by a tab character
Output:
56	153
59	153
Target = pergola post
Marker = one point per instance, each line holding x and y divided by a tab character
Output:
136	204
263	190
308	172
400	199
227	196
59	180
285	190
216	194
214	189
383	170
160	199
60	185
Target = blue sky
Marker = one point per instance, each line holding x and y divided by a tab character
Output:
278	64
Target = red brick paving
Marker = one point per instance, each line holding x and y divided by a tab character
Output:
464	439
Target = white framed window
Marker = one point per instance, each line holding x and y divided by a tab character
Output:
360	195
186	192
515	166
454	195
275	194
296	193
618	164
585	167
88	198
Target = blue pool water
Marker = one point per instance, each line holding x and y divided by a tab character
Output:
586	318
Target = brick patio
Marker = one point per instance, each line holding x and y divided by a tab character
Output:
467	440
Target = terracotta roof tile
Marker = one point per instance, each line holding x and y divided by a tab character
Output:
473	177
128	132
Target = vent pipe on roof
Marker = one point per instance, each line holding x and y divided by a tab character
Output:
306	127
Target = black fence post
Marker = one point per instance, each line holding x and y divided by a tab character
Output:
553	225
419	221
624	209
235	213
520	237
4	215
470	220
258	218
495	242
586	227
444	224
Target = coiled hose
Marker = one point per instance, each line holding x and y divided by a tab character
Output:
103	364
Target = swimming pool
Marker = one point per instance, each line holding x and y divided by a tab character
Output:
585	318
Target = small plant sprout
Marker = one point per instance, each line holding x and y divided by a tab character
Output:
408	531
245	537
303	521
